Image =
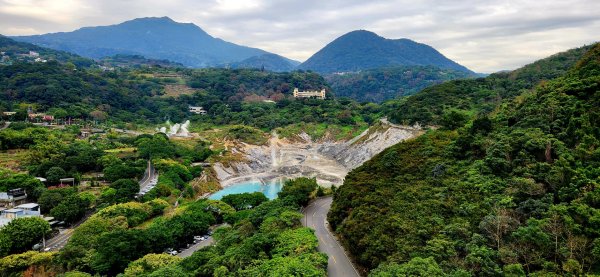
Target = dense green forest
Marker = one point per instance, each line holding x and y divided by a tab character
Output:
151	95
506	183
56	154
137	61
381	84
266	239
512	192
478	96
126	234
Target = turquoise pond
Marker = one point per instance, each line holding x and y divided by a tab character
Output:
269	189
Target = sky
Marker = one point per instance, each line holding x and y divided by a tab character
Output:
485	36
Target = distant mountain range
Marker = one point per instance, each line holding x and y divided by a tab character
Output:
271	62
359	50
154	38
185	43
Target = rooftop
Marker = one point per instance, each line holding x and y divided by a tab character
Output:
28	206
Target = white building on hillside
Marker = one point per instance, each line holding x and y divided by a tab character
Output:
23	210
12	197
309	94
197	110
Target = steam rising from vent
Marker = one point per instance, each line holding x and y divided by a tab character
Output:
176	130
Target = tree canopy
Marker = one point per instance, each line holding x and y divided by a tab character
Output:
512	192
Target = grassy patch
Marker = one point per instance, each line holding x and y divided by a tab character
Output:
176	90
207	183
121	150
247	134
13	159
321	131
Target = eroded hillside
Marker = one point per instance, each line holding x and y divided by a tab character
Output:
326	159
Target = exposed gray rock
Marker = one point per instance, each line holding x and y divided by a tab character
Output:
328	161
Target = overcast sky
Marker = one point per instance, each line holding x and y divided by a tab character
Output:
486	35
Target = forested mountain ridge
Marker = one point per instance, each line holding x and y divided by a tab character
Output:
271	62
358	50
148	95
152	37
121	60
14	51
481	95
381	84
511	193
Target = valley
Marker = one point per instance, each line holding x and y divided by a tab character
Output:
325	159
153	148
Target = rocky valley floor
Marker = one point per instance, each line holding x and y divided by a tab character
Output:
326	160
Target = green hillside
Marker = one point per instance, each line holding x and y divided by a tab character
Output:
481	95
381	84
146	95
510	193
15	52
271	62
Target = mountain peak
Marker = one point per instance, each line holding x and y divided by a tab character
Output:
362	49
359	36
361	32
151	37
152	22
155	19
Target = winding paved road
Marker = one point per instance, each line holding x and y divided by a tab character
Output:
315	217
188	252
59	241
149	180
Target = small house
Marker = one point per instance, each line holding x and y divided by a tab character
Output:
197	110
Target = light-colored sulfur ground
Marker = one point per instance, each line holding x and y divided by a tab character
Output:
328	161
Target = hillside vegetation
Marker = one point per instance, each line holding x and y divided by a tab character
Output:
381	84
128	239
482	95
510	193
145	95
270	62
18	51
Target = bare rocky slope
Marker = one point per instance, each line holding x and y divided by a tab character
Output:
328	161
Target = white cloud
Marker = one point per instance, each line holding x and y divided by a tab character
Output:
485	36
